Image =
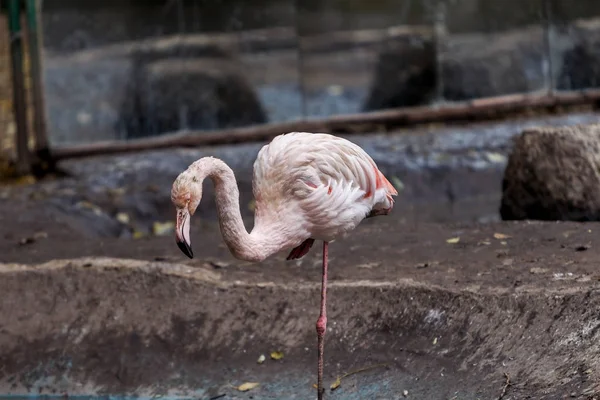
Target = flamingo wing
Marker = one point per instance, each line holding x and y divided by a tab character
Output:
322	182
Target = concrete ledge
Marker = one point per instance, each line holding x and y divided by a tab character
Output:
128	327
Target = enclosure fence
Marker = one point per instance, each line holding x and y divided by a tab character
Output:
23	113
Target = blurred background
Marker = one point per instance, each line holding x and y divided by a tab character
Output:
116	70
172	73
104	102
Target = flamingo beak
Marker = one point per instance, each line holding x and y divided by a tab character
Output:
182	232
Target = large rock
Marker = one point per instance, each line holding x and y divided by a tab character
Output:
405	74
553	174
146	88
580	64
478	65
181	93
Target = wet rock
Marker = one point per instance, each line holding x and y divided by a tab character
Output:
405	74
552	174
472	66
175	94
477	65
580	64
146	88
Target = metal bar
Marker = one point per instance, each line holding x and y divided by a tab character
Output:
19	98
549	28
441	37
300	61
34	36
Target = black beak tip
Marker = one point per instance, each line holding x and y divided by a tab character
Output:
185	248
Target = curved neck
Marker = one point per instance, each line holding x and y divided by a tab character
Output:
255	246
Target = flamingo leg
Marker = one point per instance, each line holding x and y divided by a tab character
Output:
322	324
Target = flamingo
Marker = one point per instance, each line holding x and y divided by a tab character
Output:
307	187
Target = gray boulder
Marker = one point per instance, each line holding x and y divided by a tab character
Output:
553	174
146	88
181	93
580	67
477	65
405	74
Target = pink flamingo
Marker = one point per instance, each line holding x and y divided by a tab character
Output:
307	187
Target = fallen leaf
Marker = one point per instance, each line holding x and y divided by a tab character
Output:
453	240
163	228
369	265
123	218
338	381
434	341
276	355
244	387
496	157
90	206
405	393
217	264
40	235
500	236
261	359
138	234
336	384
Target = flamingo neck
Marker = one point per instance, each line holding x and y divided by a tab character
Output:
255	246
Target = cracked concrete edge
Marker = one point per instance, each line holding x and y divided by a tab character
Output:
497	321
205	275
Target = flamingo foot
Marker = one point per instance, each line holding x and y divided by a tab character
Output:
301	250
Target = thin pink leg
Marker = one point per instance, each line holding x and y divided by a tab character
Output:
322	324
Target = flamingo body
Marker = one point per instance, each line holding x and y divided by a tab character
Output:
319	185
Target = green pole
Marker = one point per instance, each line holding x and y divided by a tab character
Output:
19	105
43	161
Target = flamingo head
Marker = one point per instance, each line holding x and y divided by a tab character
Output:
186	194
